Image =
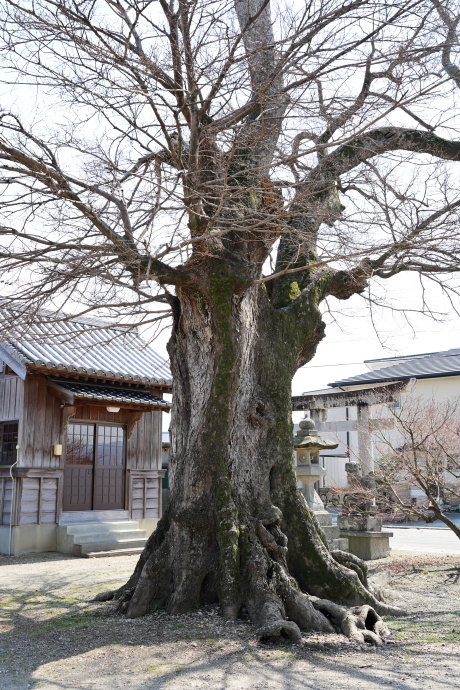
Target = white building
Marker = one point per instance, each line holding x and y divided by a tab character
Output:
434	375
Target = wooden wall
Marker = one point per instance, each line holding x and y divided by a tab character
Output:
11	397
41	425
38	488
5	499
38	500
11	404
145	494
144	445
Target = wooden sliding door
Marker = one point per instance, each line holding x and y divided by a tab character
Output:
94	475
109	470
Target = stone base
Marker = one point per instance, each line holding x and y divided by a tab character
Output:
368	546
27	539
149	524
52	537
331	532
323	517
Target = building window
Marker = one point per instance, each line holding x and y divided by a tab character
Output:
8	443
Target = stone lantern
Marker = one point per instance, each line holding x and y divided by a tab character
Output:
308	443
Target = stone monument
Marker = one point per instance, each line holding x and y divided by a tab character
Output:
307	444
359	521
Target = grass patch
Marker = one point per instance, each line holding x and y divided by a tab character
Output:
152	668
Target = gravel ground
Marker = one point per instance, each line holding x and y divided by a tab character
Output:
53	637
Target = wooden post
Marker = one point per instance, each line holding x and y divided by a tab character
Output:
2	498
40	500
144	508
16	499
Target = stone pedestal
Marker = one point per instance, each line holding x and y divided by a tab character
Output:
368	546
365	537
309	475
360	524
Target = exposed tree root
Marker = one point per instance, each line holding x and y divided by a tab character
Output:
339	577
273	600
352	562
271	595
286	611
361	623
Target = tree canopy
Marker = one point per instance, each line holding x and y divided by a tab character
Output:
314	141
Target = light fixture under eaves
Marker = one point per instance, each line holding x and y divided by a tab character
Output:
113	409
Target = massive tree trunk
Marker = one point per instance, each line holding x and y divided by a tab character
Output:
210	128
237	530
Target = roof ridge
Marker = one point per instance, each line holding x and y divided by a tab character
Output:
116	353
440	353
407	368
67	318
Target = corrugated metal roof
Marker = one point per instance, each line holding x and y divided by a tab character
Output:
88	347
438	364
110	393
398	357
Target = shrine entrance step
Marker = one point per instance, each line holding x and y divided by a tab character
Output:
332	533
93	539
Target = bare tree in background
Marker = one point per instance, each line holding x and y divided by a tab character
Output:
251	159
422	451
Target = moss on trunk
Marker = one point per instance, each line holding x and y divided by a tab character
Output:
237	529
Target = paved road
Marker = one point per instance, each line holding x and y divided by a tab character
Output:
424	540
433	538
453	517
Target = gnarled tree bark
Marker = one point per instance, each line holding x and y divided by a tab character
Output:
237	530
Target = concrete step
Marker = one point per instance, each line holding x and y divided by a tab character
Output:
98	527
331	532
80	539
77	517
93	547
114	552
119	535
341	544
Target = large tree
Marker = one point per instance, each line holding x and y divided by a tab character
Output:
251	159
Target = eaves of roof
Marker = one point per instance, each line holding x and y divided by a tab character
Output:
393	379
439	365
337	397
75	392
399	357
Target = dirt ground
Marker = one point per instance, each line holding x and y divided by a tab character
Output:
53	637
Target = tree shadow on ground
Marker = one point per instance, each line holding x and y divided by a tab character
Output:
54	636
42	557
77	639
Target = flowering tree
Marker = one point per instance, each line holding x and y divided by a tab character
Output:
422	451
